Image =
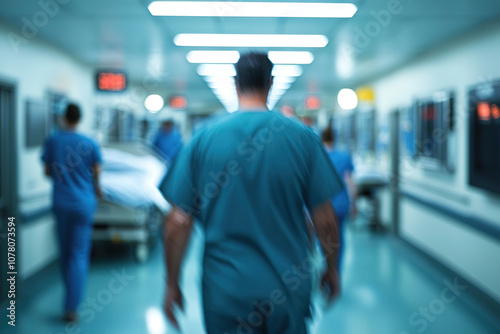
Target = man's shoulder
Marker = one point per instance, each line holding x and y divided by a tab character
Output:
84	138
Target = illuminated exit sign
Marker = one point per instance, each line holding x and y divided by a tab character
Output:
111	81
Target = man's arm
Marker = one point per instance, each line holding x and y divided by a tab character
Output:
47	170
97	174
326	225
176	233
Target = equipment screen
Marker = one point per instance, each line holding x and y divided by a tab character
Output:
484	164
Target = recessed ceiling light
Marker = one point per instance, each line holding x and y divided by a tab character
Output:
252	40
287	71
154	103
281	85
283	79
347	99
291	57
219	79
213	57
211	70
252	9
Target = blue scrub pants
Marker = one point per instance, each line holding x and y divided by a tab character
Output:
74	229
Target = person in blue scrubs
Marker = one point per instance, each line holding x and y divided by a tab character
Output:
341	202
168	141
72	161
246	179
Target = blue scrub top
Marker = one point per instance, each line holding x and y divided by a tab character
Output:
342	162
71	158
247	179
168	143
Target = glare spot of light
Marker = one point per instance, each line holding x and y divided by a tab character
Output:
155	321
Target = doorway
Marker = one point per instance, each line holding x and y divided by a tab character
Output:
8	178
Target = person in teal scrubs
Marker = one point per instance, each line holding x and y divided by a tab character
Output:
247	178
72	162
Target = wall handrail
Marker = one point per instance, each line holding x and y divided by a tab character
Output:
476	223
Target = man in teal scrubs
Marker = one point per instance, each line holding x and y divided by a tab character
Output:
72	161
247	179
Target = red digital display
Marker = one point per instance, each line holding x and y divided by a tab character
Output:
487	111
312	103
484	111
178	102
495	112
111	81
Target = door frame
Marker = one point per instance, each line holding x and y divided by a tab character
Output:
9	152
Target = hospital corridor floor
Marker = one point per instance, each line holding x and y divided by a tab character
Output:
388	288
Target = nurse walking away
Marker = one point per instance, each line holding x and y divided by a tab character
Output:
247	179
345	201
168	140
72	161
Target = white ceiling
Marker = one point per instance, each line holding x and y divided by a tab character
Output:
123	34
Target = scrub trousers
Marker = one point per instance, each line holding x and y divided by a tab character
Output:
74	231
233	314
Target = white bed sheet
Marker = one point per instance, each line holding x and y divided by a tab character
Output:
132	180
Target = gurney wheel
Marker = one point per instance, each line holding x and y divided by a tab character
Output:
141	252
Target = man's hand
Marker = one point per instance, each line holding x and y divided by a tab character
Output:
98	192
330	283
173	298
176	233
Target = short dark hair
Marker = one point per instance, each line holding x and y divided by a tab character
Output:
73	113
328	135
253	72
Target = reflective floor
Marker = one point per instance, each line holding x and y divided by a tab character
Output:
388	288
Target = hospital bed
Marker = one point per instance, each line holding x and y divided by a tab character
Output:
132	207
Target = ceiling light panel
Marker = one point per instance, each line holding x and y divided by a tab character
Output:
291	57
213	57
252	9
251	40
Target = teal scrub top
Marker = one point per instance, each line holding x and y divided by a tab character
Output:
71	158
247	179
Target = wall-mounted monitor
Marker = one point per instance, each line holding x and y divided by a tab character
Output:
37	124
434	122
484	136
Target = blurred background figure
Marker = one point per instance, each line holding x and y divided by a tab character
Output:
345	201
73	161
168	140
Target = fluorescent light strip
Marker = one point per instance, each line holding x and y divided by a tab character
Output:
219	79
283	80
215	70
252	40
252	9
281	85
213	57
219	85
287	71
290	57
